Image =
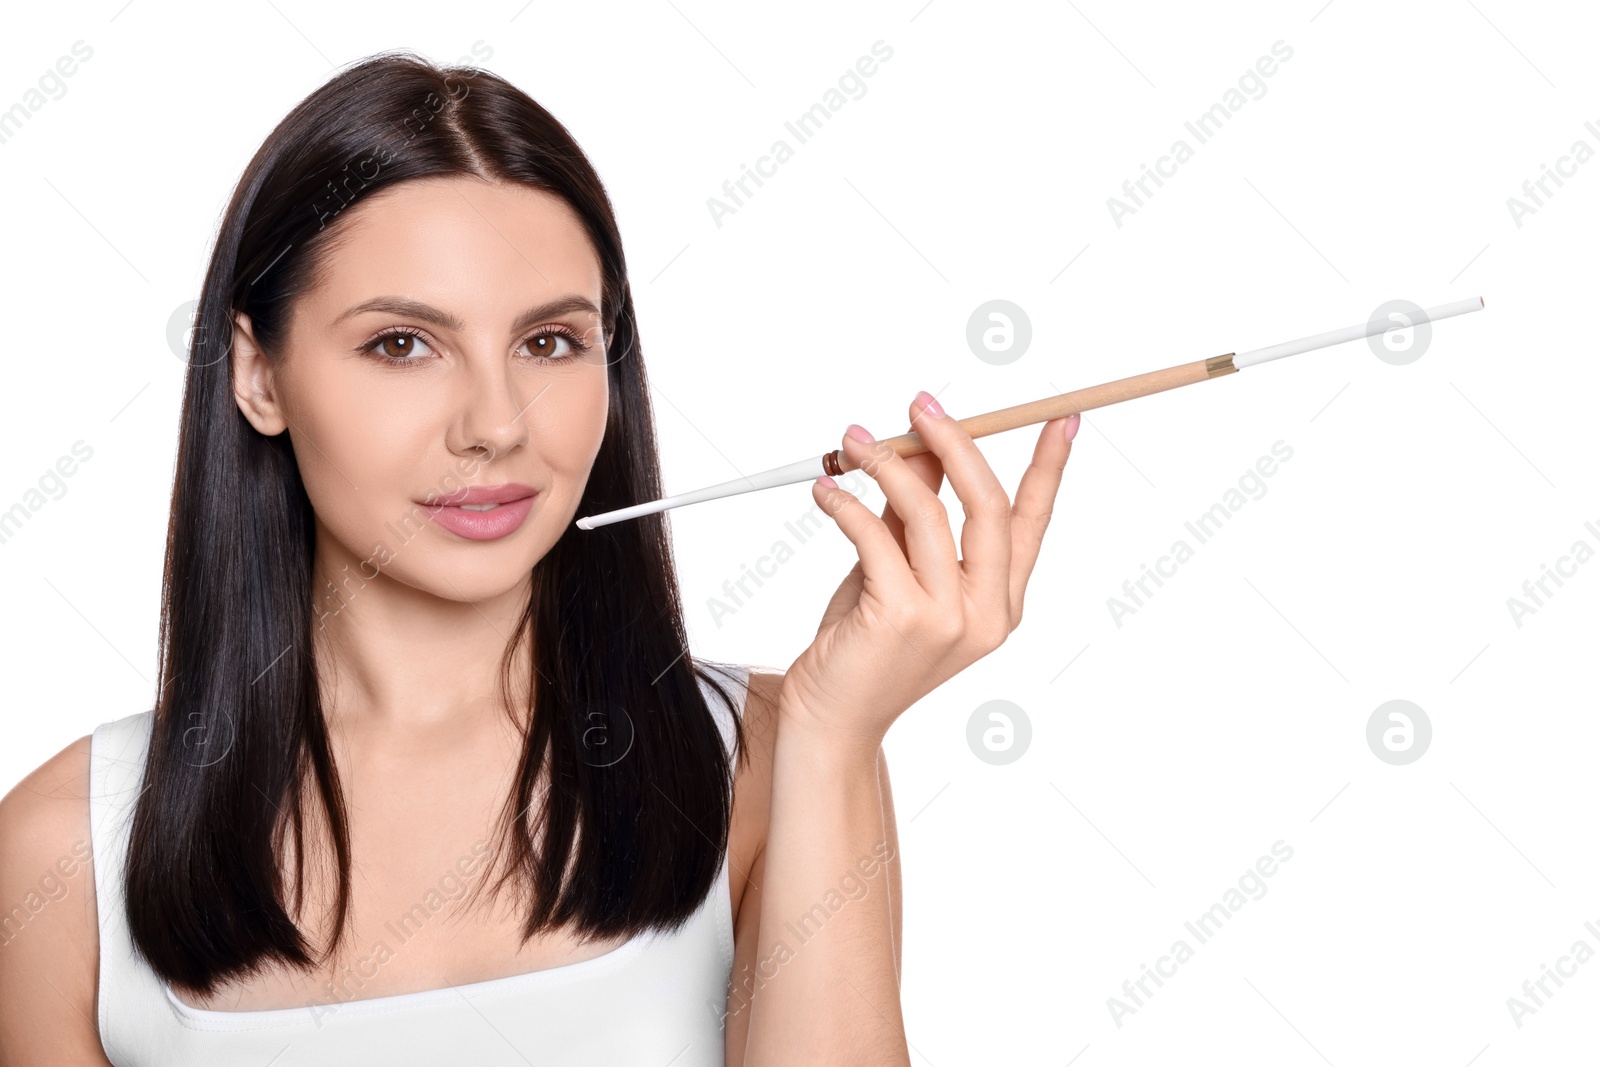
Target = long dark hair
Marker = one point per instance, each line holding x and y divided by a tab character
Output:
625	844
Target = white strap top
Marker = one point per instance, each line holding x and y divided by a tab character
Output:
657	1000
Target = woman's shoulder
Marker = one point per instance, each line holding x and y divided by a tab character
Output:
753	690
755	694
44	816
752	679
48	926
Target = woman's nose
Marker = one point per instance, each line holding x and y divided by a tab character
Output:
493	413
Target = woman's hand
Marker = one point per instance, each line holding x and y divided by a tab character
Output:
910	614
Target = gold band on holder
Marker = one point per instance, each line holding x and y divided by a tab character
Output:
1219	365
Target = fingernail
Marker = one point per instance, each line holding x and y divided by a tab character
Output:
828	482
929	404
858	433
1073	422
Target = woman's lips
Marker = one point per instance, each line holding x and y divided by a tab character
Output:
498	521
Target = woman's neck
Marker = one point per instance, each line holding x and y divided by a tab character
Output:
391	656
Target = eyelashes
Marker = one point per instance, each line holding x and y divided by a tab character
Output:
576	345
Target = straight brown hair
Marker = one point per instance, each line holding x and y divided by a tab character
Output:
626	844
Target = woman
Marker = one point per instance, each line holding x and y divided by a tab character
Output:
430	776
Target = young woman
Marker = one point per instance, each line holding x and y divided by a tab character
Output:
430	776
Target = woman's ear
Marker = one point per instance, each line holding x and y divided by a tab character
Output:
253	388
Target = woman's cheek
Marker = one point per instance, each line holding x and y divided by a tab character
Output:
581	427
352	458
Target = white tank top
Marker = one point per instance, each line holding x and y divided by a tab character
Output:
657	1000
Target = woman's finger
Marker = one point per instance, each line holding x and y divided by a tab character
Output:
986	531
930	546
845	597
884	567
931	471
1036	496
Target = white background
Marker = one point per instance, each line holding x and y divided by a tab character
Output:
1226	714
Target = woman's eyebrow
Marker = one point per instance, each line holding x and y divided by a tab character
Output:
416	309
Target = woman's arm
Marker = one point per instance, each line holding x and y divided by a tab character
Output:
915	610
828	956
891	835
49	934
750	949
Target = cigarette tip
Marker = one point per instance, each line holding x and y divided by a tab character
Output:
585	524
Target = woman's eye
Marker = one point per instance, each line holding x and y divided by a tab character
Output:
553	345
399	346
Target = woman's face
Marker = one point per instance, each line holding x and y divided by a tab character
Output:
453	342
